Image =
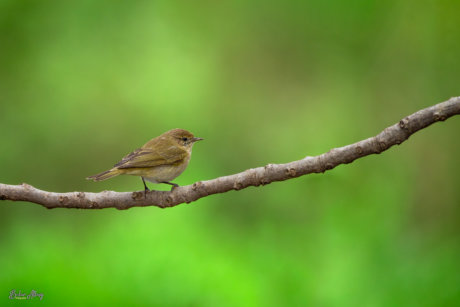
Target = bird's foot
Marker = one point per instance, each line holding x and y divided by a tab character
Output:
145	192
174	185
146	189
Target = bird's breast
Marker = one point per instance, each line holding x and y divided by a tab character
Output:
163	173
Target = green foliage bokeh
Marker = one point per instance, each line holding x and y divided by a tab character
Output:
82	83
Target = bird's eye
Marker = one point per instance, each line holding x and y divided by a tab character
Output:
185	139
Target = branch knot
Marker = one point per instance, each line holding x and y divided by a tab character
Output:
403	123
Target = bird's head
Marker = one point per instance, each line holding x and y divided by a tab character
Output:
183	137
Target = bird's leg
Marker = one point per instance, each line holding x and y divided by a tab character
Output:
175	185
146	189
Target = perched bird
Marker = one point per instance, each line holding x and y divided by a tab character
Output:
160	160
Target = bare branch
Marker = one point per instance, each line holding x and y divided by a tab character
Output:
392	135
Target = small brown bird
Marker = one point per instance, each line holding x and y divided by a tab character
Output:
160	160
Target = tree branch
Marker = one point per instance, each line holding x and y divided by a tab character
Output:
393	135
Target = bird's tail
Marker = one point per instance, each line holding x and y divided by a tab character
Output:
105	175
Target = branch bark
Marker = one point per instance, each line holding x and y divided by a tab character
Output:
393	135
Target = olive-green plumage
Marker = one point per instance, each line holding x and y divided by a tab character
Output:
160	160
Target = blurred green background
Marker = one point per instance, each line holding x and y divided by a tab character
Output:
83	83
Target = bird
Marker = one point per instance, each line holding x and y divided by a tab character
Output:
160	160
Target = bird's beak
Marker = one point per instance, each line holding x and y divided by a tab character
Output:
196	139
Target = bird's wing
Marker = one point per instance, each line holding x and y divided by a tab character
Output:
147	157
